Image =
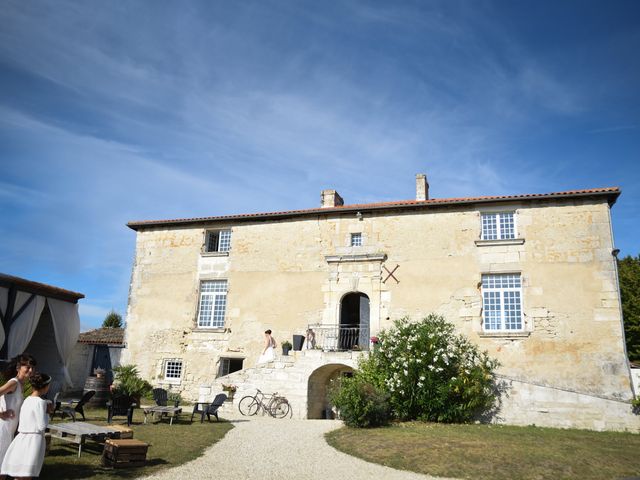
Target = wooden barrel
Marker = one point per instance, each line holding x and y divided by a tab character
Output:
99	384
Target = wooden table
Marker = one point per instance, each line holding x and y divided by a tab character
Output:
78	432
163	411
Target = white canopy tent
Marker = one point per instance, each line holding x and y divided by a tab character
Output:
40	319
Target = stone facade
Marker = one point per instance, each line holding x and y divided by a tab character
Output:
289	270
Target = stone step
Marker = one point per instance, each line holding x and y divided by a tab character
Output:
287	374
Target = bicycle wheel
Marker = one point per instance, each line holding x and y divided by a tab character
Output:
248	405
281	408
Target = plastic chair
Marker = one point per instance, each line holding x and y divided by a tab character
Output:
120	406
209	409
71	409
160	396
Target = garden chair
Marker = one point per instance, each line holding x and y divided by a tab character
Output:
54	395
120	406
209	409
72	409
57	405
160	396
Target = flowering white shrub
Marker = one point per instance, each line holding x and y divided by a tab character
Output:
418	371
432	373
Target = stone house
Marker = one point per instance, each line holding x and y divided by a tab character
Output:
97	348
530	278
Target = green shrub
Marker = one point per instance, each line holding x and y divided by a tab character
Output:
127	382
174	397
361	403
431	373
26	386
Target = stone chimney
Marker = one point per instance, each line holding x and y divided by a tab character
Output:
330	198
422	187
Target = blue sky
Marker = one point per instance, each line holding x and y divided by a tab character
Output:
119	111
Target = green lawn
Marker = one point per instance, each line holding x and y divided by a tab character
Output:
170	446
494	452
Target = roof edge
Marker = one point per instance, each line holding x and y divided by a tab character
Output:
611	193
38	288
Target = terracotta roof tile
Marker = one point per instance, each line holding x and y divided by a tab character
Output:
611	192
103	336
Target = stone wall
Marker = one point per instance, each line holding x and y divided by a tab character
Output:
81	360
528	404
635	376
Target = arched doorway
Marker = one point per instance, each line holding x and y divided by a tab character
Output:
317	403
354	321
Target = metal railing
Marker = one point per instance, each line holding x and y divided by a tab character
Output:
338	338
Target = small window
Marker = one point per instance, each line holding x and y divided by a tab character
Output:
502	302
218	241
498	226
172	370
213	304
230	365
356	239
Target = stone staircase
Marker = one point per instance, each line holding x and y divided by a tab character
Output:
288	375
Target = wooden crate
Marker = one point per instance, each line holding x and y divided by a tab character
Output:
124	453
125	432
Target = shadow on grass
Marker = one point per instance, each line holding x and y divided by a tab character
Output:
76	471
89	464
169	446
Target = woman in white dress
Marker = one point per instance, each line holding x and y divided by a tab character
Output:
268	354
25	455
11	398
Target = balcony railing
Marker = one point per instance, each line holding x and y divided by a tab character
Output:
339	338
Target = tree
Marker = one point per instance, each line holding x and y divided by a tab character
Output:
112	320
629	276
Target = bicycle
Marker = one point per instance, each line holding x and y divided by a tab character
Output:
275	405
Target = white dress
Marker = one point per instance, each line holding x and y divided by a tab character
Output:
26	453
269	355
10	401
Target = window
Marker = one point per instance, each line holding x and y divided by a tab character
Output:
218	241
356	239
230	365
501	299
173	370
213	303
498	226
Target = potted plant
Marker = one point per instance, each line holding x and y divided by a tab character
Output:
127	382
231	390
298	341
175	398
286	347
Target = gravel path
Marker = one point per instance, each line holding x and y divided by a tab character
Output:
265	448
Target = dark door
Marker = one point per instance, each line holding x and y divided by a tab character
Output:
102	359
363	333
354	321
